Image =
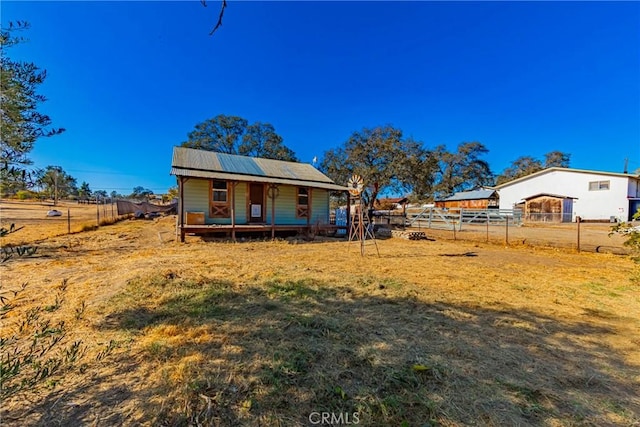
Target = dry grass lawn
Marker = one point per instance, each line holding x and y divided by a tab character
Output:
265	333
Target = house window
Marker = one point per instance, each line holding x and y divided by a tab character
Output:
598	185
219	199
302	208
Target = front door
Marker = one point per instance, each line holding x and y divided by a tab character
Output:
256	202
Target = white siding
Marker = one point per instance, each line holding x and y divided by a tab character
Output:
593	205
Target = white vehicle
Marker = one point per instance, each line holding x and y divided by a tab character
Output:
54	212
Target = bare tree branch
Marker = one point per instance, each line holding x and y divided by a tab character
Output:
219	23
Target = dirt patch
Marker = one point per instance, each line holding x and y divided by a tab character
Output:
594	237
32	216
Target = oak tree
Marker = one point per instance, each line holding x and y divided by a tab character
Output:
526	165
234	135
383	158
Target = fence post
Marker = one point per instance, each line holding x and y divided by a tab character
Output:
487	215
430	215
453	222
97	212
578	219
68	221
460	221
506	236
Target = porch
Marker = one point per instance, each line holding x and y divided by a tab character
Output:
232	230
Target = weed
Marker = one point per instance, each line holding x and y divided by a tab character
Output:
34	352
79	311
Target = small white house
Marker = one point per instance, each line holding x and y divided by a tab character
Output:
595	195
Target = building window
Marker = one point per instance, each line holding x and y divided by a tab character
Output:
598	185
219	199
302	208
219	191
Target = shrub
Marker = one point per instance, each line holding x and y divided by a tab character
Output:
632	233
34	350
26	195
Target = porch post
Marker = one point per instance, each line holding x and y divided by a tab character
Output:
233	210
348	230
181	210
273	187
309	192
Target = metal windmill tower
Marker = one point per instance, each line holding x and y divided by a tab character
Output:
359	230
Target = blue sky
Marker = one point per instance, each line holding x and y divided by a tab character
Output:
129	80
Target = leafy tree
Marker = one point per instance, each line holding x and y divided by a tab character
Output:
56	183
556	159
140	193
84	192
526	165
234	135
172	193
417	171
522	166
114	194
382	158
222	134
461	170
21	124
261	140
100	194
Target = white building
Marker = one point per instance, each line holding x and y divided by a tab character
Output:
596	195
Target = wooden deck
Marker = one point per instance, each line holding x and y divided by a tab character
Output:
232	230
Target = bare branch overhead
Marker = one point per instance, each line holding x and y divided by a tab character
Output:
222	8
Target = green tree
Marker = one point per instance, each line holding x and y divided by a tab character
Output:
222	134
172	193
261	140
140	193
526	165
556	159
522	166
84	192
56	183
21	124
234	135
382	157
462	170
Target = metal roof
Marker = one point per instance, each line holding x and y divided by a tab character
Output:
470	195
583	171
208	164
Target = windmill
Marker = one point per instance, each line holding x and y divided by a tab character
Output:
358	230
